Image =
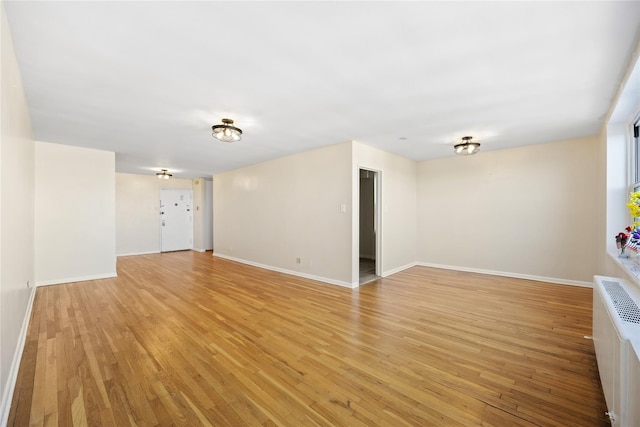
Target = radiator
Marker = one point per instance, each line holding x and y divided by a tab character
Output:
616	337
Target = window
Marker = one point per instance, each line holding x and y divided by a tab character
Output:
635	161
636	156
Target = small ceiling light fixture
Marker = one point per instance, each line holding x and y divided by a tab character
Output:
226	132
163	174
466	147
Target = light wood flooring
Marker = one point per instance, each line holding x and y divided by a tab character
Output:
188	339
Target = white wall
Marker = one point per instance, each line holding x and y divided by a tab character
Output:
207	229
274	212
202	215
16	216
198	217
616	148
137	211
618	182
397	176
618	185
75	222
530	211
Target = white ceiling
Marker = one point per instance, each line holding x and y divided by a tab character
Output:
148	79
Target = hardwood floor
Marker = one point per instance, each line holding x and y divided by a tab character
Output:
188	339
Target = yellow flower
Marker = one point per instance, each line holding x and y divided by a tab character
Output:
634	208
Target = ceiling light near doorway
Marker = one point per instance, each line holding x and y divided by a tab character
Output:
164	174
466	147
226	132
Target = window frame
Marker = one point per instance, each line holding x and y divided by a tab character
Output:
635	166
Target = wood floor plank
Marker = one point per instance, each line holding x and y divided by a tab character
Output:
189	339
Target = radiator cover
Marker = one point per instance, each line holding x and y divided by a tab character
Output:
616	336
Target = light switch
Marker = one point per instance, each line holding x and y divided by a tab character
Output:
343	208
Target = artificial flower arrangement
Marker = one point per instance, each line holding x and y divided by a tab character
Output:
630	237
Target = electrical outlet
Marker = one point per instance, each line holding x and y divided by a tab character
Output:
298	260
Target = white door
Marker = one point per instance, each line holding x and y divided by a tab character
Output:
176	220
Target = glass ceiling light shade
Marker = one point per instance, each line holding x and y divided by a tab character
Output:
226	132
163	174
466	147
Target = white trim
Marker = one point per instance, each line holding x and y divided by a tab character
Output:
199	250
628	265
291	272
15	363
398	269
76	279
139	253
407	266
509	274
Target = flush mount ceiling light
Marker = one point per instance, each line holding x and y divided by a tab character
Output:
226	132
466	147
163	174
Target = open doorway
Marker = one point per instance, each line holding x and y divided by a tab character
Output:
368	240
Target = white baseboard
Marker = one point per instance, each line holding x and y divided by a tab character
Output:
413	264
76	279
15	363
291	272
139	253
398	269
509	274
202	249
